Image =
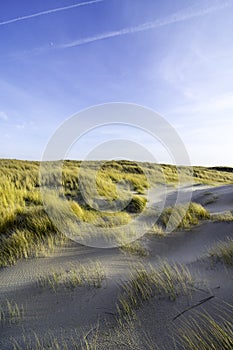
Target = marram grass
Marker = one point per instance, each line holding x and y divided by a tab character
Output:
166	280
202	331
223	251
89	275
182	216
26	230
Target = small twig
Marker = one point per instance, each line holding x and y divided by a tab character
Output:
110	313
201	290
193	306
90	331
106	312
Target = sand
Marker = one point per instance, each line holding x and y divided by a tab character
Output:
82	308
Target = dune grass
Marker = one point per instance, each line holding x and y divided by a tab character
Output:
11	312
50	341
156	230
137	204
135	248
223	251
183	217
201	331
95	339
25	229
88	275
166	280
224	217
30	233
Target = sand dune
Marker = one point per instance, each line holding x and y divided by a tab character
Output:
81	308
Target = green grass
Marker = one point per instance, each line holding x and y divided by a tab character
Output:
223	251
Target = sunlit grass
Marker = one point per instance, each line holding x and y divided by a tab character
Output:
183	217
223	217
201	331
223	251
26	230
135	248
166	280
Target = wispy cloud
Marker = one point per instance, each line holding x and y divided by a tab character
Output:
47	12
220	104
191	12
3	116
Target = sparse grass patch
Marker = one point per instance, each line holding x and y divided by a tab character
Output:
223	251
164	281
135	248
204	332
224	217
156	230
11	312
50	341
124	337
211	199
89	275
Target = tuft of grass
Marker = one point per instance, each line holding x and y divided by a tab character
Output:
224	217
223	251
89	275
156	230
204	332
11	312
211	199
106	220
135	248
50	341
182	217
25	244
136	205
164	281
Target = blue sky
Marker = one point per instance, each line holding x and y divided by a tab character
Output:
172	56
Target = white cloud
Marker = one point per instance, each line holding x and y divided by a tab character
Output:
3	116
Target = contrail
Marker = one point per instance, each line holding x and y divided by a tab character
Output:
47	12
180	16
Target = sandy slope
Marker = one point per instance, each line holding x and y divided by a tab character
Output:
81	308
